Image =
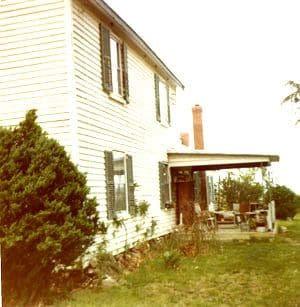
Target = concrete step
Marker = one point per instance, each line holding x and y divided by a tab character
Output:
229	236
228	226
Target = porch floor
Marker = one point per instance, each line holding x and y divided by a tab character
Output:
229	232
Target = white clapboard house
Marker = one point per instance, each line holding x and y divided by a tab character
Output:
103	93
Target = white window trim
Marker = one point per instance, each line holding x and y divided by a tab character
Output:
116	97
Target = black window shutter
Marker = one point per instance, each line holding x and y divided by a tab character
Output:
110	189
197	187
174	193
130	185
163	184
120	78
125	73
157	101
169	107
105	59
167	190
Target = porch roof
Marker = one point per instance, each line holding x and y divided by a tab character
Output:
214	161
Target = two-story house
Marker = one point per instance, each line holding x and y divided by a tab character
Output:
103	93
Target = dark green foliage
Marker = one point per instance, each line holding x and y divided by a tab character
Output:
297	201
171	259
239	189
142	208
46	216
286	201
295	95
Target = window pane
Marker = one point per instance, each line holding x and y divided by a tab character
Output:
164	184
120	68
116	66
119	180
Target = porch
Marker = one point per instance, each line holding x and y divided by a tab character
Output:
191	192
258	223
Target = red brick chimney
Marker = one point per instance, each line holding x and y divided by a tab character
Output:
199	144
184	137
198	127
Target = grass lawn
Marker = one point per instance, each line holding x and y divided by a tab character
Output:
256	273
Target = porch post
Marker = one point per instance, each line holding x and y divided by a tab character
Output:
0	280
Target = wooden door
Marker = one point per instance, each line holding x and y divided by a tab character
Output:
185	202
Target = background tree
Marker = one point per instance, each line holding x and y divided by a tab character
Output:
286	201
238	189
294	96
46	216
244	188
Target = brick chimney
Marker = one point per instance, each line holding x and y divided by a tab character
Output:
184	137
199	144
198	127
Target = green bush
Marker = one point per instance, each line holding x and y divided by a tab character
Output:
297	201
46	216
285	201
171	259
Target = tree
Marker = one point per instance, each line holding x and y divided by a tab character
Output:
286	201
47	218
239	189
295	95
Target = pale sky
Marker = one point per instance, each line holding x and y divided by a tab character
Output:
234	57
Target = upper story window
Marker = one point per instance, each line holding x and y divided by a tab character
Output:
114	64
117	60
119	183
162	101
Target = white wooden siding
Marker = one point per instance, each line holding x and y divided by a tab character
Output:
33	65
50	61
104	124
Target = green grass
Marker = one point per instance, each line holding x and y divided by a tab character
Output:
257	273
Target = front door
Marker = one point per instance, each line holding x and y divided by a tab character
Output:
185	202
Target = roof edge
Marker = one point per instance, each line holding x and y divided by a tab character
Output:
214	161
272	157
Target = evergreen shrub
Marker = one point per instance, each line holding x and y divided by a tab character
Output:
47	218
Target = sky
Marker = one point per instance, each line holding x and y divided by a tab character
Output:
234	58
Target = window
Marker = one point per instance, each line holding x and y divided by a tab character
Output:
164	184
114	64
120	190
162	101
119	183
210	190
200	188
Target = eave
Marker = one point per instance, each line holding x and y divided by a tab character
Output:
203	160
